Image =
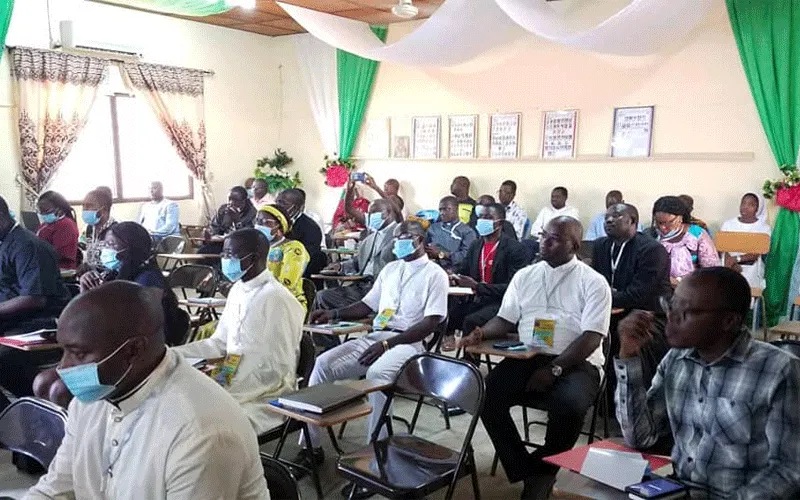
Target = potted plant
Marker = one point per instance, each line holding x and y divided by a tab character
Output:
337	171
274	171
786	189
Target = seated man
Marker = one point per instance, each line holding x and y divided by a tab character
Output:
304	229
260	196
515	214
597	225
558	208
259	331
410	297
448	240
159	216
144	423
563	307
237	214
484	201
488	268
466	205
732	402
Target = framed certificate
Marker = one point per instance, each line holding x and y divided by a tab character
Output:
559	134
426	136
378	137
463	136
633	132
504	135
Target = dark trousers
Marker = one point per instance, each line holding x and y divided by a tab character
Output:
567	402
466	314
19	368
337	298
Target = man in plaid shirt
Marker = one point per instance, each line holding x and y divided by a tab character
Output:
731	402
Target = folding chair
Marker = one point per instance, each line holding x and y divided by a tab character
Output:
280	481
34	428
404	465
755	243
203	281
310	292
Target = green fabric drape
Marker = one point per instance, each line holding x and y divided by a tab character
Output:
6	7
354	78
768	36
180	7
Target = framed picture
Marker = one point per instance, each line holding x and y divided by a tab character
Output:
559	134
504	135
402	146
377	137
463	136
633	132
426	136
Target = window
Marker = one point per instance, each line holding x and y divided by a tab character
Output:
123	146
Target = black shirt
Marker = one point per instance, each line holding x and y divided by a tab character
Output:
307	232
223	224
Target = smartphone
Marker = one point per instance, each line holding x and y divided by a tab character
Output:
657	489
358	176
507	344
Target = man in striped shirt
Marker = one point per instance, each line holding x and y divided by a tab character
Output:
731	402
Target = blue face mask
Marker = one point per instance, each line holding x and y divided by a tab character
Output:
480	210
267	231
90	217
48	218
232	268
485	227
83	381
13	215
251	193
375	221
670	234
403	248
109	259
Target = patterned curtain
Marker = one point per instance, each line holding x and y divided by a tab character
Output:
55	92
176	97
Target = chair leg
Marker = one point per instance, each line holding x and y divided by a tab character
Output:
314	468
282	440
593	424
495	460
525	424
413	424
446	415
341	429
476	488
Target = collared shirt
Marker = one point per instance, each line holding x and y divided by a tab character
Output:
160	218
549	213
574	294
413	290
597	228
455	238
179	436
517	216
263	322
736	421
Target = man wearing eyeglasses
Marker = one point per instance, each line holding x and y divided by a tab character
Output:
732	402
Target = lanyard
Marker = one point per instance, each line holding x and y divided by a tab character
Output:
615	263
451	231
485	258
548	294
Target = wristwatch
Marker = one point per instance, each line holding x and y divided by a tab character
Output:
556	370
738	259
441	255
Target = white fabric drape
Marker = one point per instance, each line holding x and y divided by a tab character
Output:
317	62
460	30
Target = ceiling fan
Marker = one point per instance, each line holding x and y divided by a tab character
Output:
405	9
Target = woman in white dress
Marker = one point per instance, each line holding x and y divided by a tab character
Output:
752	219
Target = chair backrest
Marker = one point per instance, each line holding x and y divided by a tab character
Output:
792	346
171	244
438	334
33	427
30	221
310	292
531	249
280	482
305	364
455	382
200	278
731	241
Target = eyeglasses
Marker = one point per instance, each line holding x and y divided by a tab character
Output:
680	313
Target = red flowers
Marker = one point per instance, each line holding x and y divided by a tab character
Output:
336	175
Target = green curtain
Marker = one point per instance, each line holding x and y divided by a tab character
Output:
179	7
354	77
6	6
768	36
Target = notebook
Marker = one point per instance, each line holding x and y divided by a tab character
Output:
27	340
339	328
320	398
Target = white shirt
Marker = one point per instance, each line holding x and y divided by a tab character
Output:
574	294
754	273
413	290
517	216
160	218
263	322
549	213
190	442
268	199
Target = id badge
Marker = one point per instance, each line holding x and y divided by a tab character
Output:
544	330
276	255
225	371
383	318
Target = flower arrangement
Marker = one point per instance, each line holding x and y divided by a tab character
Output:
337	171
273	170
785	190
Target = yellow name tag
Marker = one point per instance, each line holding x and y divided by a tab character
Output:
544	330
383	318
225	371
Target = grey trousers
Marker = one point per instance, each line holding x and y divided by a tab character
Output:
337	298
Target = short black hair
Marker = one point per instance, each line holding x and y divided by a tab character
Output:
241	191
499	209
488	197
633	212
511	184
449	200
103	195
731	286
563	190
294	196
671	205
252	241
4	211
302	193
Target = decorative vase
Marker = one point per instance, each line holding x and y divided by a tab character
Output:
336	175
789	198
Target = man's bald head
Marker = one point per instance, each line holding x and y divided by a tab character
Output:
249	241
561	239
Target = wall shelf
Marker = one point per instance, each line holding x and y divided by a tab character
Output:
729	157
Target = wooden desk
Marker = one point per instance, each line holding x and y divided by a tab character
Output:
345	331
189	256
487	348
785	329
340	251
216	303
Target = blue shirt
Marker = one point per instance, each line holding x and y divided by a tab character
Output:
160	218
597	228
454	238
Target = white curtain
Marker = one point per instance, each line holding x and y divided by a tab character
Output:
460	30
317	62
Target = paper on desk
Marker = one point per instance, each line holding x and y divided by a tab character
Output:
615	468
461	290
33	336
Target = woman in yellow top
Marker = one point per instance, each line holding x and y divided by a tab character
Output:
287	258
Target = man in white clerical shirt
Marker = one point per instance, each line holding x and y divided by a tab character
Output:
143	423
558	208
258	334
160	216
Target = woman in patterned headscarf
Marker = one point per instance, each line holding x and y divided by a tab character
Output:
287	258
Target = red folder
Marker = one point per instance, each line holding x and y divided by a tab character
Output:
573	459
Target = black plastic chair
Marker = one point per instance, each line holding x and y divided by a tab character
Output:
34	428
171	244
404	465
792	346
280	481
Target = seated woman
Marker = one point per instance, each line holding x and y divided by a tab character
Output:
752	219
689	246
58	227
287	258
